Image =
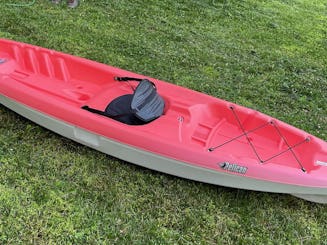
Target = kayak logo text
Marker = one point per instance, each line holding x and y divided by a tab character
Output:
233	167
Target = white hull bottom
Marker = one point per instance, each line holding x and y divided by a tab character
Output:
160	163
313	198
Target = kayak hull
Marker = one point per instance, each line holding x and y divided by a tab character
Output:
156	162
199	137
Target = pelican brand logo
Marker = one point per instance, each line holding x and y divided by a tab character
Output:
233	167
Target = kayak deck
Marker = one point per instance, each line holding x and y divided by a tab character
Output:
195	128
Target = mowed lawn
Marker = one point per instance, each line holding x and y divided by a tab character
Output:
268	55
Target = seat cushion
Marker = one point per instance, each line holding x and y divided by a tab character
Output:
120	110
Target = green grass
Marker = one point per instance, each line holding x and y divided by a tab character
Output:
268	55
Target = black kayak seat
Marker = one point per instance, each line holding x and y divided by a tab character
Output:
141	107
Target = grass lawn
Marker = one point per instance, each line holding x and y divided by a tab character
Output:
270	55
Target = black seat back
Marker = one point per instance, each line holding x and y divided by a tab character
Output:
146	103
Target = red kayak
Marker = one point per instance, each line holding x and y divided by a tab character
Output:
159	125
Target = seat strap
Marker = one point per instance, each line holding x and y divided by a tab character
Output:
125	79
102	113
